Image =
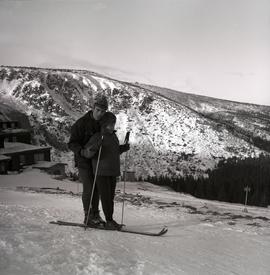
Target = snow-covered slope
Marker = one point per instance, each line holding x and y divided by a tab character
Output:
204	237
167	137
248	121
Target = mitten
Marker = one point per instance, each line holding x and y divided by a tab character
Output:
86	153
125	147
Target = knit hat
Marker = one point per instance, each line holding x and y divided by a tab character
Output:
107	118
101	101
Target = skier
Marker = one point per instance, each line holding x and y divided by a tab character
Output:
81	131
108	165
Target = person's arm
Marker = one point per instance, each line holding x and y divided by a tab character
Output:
75	138
92	146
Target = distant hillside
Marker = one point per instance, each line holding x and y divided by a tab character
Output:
250	122
172	133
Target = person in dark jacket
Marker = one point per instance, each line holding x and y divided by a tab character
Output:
108	165
81	131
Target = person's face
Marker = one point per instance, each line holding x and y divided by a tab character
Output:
98	112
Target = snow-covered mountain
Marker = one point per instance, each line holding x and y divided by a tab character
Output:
172	133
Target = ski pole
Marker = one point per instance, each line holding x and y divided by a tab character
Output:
125	171
124	191
94	184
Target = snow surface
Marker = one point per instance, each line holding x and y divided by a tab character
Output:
204	237
7	87
105	83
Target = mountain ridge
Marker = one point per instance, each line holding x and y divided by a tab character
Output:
169	136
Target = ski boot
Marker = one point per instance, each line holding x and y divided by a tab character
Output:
94	220
112	225
98	219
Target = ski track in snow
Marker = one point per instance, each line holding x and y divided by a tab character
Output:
30	245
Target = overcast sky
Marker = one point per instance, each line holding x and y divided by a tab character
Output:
219	48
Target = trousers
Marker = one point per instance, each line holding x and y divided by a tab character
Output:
106	189
87	179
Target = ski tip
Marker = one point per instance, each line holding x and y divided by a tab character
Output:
164	230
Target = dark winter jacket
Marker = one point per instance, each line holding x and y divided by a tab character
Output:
109	162
81	131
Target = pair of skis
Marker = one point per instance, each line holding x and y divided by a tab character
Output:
163	231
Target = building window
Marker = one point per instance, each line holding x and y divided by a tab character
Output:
14	139
13	125
4	126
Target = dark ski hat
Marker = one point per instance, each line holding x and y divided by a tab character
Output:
107	118
101	101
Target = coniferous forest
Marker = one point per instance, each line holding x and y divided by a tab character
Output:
228	182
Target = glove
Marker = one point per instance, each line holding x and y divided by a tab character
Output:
125	147
91	147
86	153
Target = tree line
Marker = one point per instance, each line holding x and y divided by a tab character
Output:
227	182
